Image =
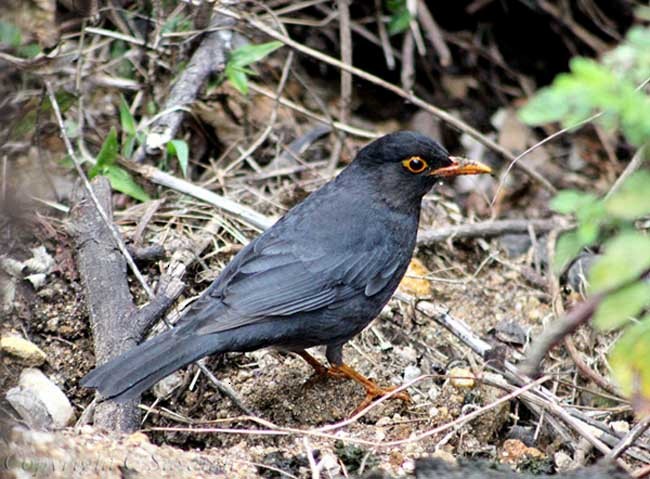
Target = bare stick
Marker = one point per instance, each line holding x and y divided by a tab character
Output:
553	334
632	166
300	109
434	34
486	229
242	213
383	36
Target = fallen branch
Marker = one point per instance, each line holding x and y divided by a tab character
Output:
242	213
103	273
486	229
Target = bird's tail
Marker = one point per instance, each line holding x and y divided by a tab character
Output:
128	375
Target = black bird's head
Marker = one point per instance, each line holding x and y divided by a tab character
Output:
405	165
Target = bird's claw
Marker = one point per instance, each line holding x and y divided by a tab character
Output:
377	392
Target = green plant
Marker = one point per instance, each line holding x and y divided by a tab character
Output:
619	281
179	149
11	36
400	17
119	178
236	68
131	137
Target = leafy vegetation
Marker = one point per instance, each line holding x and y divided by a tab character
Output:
621	275
400	17
240	58
119	178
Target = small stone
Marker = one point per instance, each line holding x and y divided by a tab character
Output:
576	276
26	351
515	244
40	262
461	378
407	353
330	464
166	386
37	280
433	392
523	434
621	427
411	373
563	461
433	412
408	466
383	421
39	401
514	451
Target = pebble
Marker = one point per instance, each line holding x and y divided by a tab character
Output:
563	461
461	378
26	351
514	451
621	427
166	386
411	372
330	464
39	401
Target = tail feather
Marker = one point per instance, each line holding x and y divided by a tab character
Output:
135	371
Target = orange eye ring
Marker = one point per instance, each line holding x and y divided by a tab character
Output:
415	164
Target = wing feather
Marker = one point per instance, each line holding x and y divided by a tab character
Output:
270	279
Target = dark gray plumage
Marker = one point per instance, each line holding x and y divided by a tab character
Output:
316	277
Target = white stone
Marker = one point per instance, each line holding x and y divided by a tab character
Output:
39	401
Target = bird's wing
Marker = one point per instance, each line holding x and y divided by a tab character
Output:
272	279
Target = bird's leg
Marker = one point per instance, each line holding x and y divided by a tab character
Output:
334	354
313	362
373	390
319	368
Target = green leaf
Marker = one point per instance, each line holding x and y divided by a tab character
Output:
128	145
569	201
632	200
10	34
107	155
626	257
238	79
400	17
30	50
567	247
399	22
617	308
592	87
182	152
247	54
122	181
630	363
126	118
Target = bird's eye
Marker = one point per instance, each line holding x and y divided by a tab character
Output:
415	164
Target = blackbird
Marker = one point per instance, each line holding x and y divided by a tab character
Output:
316	277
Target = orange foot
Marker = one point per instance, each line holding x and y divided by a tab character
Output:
373	390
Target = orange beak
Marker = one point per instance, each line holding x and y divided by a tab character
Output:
461	166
